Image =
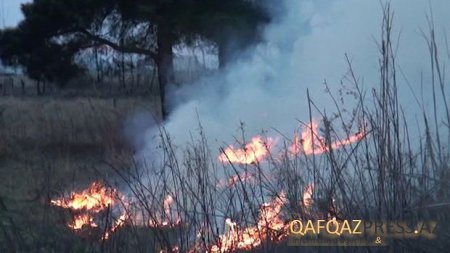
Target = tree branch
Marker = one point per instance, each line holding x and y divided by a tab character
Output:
121	48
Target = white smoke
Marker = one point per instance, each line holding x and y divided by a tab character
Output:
306	46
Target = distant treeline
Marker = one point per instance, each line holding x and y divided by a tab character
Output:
50	44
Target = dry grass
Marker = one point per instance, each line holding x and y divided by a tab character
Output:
69	132
48	144
389	175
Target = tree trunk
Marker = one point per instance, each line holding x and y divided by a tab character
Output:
38	87
23	86
224	56
221	56
122	71
165	63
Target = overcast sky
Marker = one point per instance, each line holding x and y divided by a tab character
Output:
10	13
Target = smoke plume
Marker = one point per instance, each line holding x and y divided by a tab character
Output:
304	47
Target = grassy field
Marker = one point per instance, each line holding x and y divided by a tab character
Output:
75	134
49	145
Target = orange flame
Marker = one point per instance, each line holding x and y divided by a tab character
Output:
168	219
268	227
81	220
88	203
167	203
311	142
118	223
175	249
254	151
97	198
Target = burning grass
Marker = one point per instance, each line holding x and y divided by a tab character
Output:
269	226
254	151
366	171
46	145
87	204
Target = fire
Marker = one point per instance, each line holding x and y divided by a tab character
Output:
253	152
311	142
95	199
89	203
168	219
175	249
80	220
163	224
119	223
168	201
268	227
